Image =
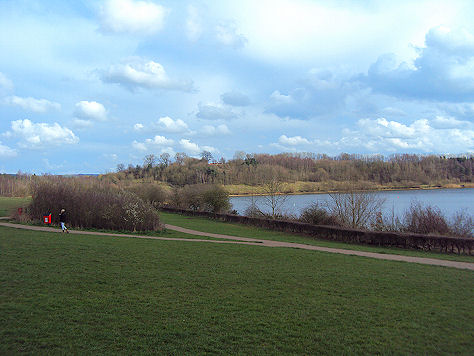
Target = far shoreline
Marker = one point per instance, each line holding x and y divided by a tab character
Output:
447	186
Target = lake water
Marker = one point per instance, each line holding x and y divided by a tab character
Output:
449	201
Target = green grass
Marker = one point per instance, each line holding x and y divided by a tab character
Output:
218	227
8	204
91	294
164	233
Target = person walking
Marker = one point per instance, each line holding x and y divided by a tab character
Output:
62	220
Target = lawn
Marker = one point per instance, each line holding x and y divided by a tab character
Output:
91	294
218	227
9	204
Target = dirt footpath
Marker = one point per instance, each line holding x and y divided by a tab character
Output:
260	242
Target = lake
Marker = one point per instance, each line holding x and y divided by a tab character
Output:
449	201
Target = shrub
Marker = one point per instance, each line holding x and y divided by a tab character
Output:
216	199
316	215
188	197
91	204
151	193
462	225
252	211
210	198
430	220
425	220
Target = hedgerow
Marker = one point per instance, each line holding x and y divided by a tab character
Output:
91	204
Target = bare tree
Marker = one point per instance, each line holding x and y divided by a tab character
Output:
206	155
165	159
149	161
355	209
120	167
273	198
180	157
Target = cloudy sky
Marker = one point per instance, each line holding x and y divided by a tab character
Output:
86	85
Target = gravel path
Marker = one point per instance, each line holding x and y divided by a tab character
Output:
260	242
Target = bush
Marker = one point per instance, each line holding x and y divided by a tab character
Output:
425	220
91	204
216	199
209	198
429	220
151	193
252	211
462	225
316	215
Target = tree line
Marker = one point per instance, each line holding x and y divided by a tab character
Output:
253	169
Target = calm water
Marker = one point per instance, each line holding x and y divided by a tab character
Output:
448	200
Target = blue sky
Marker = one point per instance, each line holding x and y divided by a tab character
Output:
86	85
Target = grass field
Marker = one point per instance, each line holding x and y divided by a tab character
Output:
210	225
90	294
7	204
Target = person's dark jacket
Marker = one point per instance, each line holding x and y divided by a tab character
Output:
62	217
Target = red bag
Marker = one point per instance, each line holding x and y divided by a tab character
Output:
47	219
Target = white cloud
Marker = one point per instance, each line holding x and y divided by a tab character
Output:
90	110
139	146
323	32
319	92
194	149
34	135
193	24
443	71
7	152
32	104
439	135
138	17
391	111
465	110
167	124
140	73
110	156
226	33
459	41
152	143
82	124
214	112
5	83
51	166
293	141
441	122
138	127
420	136
189	146
159	141
280	98
235	98
210	130
385	128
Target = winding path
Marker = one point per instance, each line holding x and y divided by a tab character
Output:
260	242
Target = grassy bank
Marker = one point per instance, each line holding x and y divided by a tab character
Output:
332	186
90	294
210	225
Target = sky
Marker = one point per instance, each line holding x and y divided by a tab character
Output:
87	85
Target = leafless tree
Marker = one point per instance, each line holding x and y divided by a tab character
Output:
355	209
273	198
165	159
206	155
149	161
